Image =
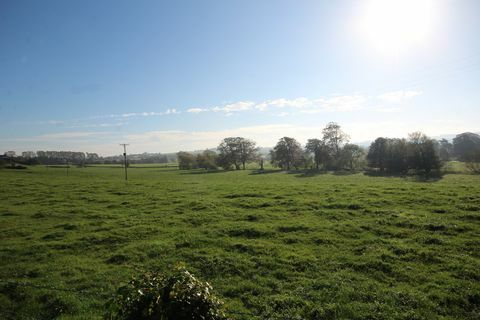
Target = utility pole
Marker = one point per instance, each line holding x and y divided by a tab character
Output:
125	158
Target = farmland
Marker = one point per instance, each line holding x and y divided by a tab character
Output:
273	245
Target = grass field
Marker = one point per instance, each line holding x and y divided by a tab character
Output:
273	245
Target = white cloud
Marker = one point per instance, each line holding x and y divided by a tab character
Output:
342	103
283	103
171	111
197	110
399	96
127	115
99	125
138	114
235	107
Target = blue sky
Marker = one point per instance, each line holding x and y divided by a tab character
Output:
182	75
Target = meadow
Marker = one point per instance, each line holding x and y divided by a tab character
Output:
274	245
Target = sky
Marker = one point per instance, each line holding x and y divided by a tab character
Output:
166	76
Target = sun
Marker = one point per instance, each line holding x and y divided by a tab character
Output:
395	26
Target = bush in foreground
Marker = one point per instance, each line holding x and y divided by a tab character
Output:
163	297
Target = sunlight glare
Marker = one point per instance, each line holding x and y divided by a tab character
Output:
394	26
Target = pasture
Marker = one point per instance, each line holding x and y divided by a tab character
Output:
274	245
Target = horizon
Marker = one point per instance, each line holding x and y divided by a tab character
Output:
363	144
169	77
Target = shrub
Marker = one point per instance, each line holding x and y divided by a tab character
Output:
178	296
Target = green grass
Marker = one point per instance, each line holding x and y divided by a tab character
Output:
276	245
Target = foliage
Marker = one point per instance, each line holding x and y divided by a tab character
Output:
186	161
397	156
327	152
351	157
177	296
474	164
207	160
334	138
320	152
466	145
377	154
287	153
445	150
236	151
422	154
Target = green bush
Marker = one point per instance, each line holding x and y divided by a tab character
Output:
178	296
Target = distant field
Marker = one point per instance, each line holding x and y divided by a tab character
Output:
273	245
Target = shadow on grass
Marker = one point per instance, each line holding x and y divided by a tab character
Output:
432	177
309	173
164	168
200	171
268	171
345	173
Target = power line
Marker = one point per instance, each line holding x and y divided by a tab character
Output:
125	158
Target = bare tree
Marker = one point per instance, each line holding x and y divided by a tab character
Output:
334	138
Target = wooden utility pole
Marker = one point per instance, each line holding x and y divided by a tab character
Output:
125	158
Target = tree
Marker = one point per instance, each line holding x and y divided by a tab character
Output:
422	154
229	153
319	150
247	150
397	156
473	164
236	151
351	156
334	138
396	160
207	160
287	153
186	161
377	154
445	150
466	145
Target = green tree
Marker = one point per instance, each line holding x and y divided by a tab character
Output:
466	145
236	151
248	151
377	154
445	150
186	161
207	160
320	152
287	153
351	156
422	154
396	160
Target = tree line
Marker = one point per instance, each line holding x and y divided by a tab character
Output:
417	154
82	158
